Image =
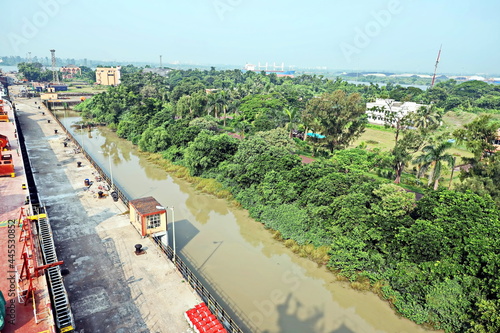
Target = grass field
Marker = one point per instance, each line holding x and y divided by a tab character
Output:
454	120
377	136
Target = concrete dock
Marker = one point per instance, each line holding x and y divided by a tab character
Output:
111	289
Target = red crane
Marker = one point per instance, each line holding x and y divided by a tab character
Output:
436	66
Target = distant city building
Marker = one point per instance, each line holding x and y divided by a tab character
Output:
375	74
462	78
108	76
422	76
377	110
70	71
159	71
276	69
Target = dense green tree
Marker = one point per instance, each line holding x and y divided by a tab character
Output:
154	139
187	86
437	95
488	319
423	241
355	159
478	135
88	74
260	105
341	117
208	150
164	117
469	222
297	221
205	123
191	106
256	156
448	304
242	127
483	178
472	89
394	203
182	134
489	101
276	190
34	72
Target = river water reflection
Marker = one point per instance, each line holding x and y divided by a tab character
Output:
271	287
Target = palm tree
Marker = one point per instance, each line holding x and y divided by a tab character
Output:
434	156
291	117
426	117
212	104
223	103
218	102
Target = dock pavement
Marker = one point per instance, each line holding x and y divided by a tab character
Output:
110	288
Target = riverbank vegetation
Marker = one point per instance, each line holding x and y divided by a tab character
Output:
241	136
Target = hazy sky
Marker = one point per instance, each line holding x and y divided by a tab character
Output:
395	35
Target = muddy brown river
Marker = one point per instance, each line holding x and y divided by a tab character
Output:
269	287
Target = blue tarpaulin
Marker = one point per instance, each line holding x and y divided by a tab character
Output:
315	135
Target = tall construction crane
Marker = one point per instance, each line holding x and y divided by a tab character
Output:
436	66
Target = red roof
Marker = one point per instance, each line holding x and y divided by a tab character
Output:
146	206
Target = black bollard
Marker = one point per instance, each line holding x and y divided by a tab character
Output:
55	131
78	164
48	120
65	144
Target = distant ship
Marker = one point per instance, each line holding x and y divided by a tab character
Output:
278	70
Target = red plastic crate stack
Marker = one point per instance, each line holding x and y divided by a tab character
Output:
202	320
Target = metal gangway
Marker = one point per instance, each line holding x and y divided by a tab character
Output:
62	311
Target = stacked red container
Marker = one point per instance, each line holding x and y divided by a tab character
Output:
201	319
